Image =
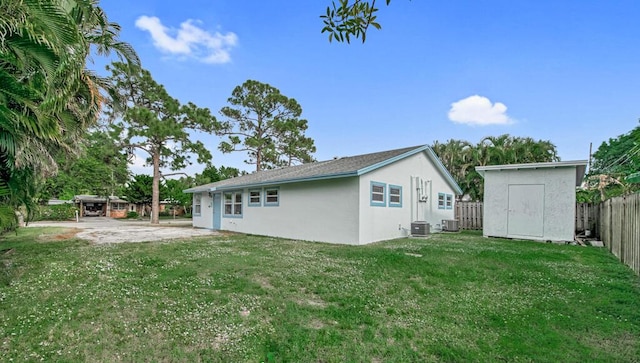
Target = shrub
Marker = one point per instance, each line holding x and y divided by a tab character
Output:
60	212
164	213
132	214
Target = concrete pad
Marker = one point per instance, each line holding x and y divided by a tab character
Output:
103	230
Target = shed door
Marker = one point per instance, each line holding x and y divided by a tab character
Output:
526	210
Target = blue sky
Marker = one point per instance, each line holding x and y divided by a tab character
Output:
565	71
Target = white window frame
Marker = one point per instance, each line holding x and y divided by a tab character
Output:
441	201
197	204
272	203
397	204
378	193
251	198
235	204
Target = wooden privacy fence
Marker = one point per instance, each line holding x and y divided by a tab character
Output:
619	228
587	216
469	215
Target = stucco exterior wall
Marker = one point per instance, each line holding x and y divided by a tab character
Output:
378	223
559	201
205	219
323	211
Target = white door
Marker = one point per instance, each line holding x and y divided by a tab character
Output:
526	210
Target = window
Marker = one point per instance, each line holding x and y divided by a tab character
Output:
197	204
272	197
441	204
378	194
449	201
255	198
395	196
233	204
118	206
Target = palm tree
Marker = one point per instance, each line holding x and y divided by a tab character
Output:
48	98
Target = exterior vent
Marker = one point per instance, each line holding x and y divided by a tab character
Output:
450	225
420	228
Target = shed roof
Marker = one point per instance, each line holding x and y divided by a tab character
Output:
330	169
580	165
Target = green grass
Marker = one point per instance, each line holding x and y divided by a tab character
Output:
452	297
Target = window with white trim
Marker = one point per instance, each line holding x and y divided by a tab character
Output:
449	201
272	197
118	206
395	196
378	191
197	204
255	198
233	204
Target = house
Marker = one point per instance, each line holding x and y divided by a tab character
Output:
350	200
95	206
533	201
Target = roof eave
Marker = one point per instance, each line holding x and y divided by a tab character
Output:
580	165
284	181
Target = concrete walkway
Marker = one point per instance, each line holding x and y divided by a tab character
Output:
107	230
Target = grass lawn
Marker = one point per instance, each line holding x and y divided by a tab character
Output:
452	297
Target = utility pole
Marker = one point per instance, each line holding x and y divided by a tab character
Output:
589	163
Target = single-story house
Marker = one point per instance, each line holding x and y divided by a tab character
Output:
96	206
349	200
535	201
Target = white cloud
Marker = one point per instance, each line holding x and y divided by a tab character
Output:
190	40
478	110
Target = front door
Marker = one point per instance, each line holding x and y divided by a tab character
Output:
526	210
217	211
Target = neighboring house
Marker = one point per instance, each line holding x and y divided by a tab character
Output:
95	206
534	201
171	208
351	200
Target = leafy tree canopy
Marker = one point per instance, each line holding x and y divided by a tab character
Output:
149	119
461	157
100	170
346	19
140	189
211	174
48	98
267	125
612	163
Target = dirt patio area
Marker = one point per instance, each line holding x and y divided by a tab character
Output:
107	230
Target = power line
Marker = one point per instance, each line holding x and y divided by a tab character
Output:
626	156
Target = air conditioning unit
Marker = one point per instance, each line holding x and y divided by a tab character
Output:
420	228
450	225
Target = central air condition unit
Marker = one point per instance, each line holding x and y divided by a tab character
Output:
420	228
450	225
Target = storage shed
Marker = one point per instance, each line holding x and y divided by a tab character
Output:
533	201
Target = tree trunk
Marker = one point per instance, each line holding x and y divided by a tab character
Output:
155	194
258	159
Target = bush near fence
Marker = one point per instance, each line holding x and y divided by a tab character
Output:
60	212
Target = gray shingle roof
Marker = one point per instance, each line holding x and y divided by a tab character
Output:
336	168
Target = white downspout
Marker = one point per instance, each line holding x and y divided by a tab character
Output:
412	198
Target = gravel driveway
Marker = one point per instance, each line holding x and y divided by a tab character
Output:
107	230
